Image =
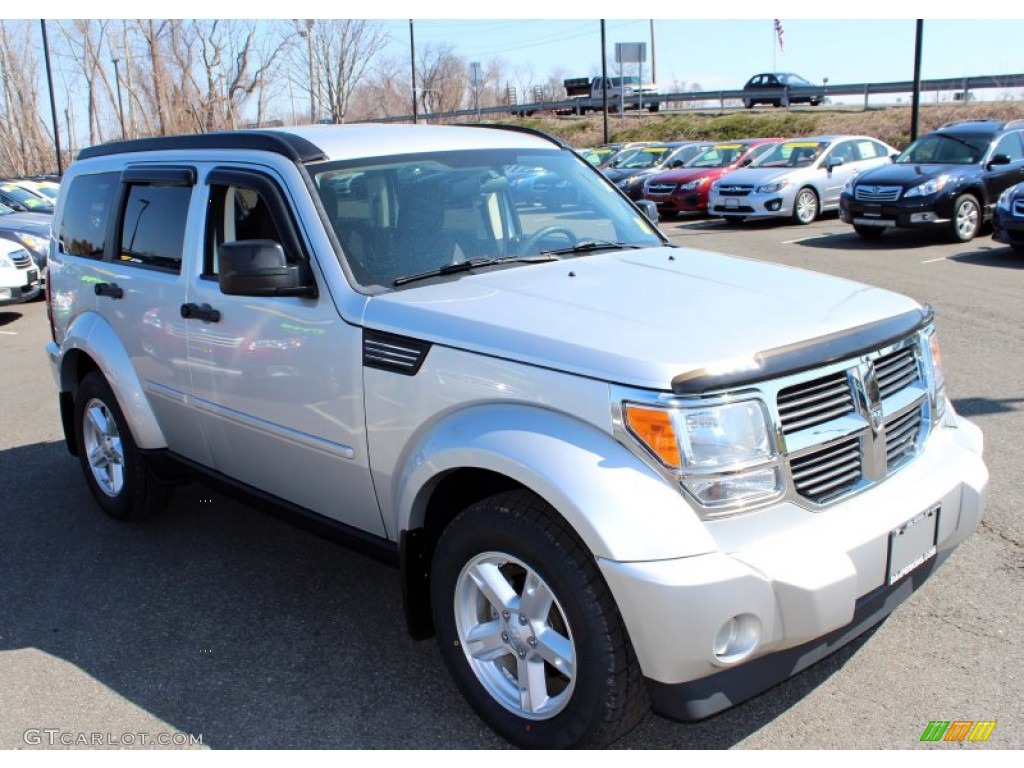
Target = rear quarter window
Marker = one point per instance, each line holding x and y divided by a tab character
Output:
85	215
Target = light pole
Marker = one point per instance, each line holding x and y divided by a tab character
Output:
412	58
120	105
53	102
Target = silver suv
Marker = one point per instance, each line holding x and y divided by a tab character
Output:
613	472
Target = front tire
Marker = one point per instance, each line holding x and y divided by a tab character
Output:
117	472
529	630
966	221
805	207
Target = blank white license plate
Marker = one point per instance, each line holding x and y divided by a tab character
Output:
912	544
874	222
732	202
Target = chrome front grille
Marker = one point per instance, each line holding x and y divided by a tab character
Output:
871	194
21	259
661	188
814	402
850	426
824	474
735	190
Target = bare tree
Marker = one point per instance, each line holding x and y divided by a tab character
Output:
344	51
26	147
443	78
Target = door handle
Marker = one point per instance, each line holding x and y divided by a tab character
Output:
113	290
200	312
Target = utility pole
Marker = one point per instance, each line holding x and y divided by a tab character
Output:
915	108
120	105
53	102
412	57
604	83
654	66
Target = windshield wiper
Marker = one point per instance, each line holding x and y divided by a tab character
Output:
583	246
469	265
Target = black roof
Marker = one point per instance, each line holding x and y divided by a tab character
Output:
980	127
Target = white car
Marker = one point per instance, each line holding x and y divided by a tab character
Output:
19	275
799	178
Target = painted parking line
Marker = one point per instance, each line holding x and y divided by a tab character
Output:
932	261
8	333
809	237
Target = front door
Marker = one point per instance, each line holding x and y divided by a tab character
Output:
277	380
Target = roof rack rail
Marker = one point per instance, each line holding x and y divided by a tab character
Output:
519	129
293	147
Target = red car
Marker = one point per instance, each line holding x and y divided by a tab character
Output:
685	190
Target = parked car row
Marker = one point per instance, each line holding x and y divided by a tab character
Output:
957	178
26	210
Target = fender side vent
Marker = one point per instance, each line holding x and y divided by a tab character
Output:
398	354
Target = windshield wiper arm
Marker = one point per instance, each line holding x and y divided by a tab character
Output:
468	266
583	246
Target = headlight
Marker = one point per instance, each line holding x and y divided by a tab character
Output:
628	182
32	241
692	185
938	378
1004	199
848	186
931	187
774	187
723	454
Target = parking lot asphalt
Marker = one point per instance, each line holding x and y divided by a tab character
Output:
216	621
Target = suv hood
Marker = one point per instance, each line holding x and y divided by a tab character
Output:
759	176
910	174
639	318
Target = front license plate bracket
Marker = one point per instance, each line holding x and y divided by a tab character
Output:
912	543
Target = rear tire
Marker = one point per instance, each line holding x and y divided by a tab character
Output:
529	630
119	475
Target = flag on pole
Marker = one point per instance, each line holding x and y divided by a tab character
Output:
778	34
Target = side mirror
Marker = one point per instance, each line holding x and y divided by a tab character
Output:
676	164
833	162
260	268
649	209
999	159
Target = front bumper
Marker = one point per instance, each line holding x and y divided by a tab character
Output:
1007	229
756	205
918	212
807	582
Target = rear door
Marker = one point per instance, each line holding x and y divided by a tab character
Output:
139	289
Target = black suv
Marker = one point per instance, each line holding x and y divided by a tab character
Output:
951	177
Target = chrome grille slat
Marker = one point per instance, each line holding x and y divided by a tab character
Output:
21	260
814	402
660	189
896	371
829	471
901	437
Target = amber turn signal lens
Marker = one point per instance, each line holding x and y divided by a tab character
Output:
654	428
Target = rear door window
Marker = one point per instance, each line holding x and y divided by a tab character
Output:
86	214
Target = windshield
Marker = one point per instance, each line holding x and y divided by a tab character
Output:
648	157
945	148
791	154
790	79
718	156
403	216
29	200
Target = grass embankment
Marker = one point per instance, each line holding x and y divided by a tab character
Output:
890	124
